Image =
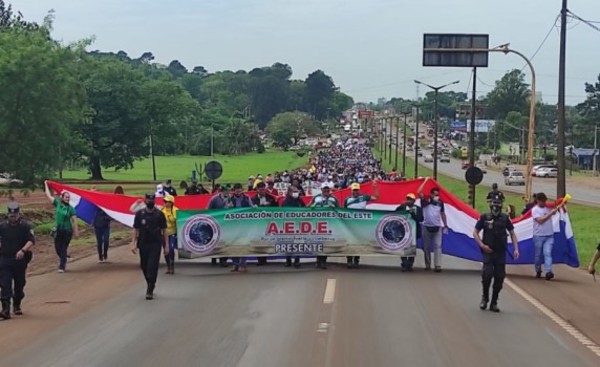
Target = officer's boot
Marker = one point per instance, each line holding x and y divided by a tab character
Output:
5	313
494	303
485	298
150	291
17	307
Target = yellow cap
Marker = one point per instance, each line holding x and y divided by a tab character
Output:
411	196
355	186
169	198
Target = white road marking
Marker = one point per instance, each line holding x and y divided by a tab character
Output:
564	324
329	295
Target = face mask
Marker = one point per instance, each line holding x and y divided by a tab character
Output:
435	198
295	195
496	209
150	204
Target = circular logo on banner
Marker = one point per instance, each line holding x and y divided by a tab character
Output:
200	234
393	232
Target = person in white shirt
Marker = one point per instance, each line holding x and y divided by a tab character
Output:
543	235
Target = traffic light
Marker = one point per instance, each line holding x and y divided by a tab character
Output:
471	192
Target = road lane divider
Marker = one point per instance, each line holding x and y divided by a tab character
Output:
329	295
562	323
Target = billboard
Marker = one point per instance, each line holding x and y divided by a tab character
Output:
481	126
455	41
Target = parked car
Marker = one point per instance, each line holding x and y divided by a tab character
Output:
428	158
514	178
445	158
7	179
482	167
546	172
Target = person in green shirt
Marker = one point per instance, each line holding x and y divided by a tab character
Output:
358	201
65	225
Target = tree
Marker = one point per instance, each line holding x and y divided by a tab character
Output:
510	94
10	19
177	69
116	128
285	129
40	100
319	92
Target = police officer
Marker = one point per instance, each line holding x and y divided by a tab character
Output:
495	226
495	194
149	236
16	241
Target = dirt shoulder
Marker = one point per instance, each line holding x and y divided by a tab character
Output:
53	299
572	294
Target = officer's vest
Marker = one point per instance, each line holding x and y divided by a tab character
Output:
494	226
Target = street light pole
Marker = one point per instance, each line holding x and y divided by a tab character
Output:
405	114
397	140
436	123
418	106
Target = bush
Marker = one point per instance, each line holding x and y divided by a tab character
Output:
300	153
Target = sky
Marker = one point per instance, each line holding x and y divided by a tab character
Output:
371	48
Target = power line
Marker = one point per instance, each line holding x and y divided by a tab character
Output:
543	41
590	24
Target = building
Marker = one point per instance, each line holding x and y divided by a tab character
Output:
463	111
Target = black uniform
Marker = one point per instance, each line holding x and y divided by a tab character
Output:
13	237
495	196
495	233
150	225
416	213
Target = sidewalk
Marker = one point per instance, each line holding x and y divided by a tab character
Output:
572	294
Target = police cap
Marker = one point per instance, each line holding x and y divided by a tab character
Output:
13	207
150	196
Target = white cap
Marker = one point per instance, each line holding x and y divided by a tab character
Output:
325	185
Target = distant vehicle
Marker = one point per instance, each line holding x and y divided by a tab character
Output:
547	172
514	178
7	179
347	128
507	170
540	166
465	165
428	158
445	158
482	167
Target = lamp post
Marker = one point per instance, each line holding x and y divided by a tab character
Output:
405	114
436	123
418	106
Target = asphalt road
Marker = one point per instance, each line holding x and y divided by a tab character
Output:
579	193
274	316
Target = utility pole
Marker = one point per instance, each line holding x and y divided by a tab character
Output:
390	142
397	140
561	181
436	123
472	135
594	167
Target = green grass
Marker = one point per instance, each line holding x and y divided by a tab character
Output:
235	168
584	219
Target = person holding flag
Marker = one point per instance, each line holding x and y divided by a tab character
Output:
358	201
416	213
170	212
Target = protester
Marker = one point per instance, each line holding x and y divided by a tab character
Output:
193	189
65	225
358	201
292	199
202	190
102	230
324	200
239	200
263	199
434	222
119	190
271	190
250	183
149	236
219	201
543	235
160	191
416	213
170	213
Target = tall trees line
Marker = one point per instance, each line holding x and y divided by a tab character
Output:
60	103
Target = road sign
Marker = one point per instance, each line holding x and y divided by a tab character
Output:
213	170
474	176
459	58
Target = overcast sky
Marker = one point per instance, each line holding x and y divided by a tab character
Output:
371	48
